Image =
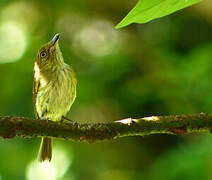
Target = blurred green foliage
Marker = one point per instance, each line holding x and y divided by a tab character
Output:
159	68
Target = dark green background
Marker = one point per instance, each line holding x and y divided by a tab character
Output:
160	68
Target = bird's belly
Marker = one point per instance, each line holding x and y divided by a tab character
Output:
55	99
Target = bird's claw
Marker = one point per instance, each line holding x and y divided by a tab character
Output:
66	119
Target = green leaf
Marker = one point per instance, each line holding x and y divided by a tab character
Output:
147	10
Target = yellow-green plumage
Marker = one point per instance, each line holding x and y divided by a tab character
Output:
54	89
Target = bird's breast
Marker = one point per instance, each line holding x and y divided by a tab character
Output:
56	93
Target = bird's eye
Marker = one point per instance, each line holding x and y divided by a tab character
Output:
43	54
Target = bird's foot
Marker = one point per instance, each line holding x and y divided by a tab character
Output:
45	119
66	119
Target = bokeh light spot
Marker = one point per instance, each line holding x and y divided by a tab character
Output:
41	171
25	13
13	43
98	38
50	170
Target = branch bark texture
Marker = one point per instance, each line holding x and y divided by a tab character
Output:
11	127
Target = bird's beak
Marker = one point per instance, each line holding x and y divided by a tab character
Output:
55	39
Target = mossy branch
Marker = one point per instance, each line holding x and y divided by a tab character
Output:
11	126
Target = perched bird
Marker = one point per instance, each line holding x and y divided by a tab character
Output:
54	89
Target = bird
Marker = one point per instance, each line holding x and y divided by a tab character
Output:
54	89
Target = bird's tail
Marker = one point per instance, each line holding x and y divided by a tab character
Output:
45	152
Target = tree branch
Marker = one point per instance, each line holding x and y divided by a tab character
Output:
11	126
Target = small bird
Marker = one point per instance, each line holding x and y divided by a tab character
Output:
54	89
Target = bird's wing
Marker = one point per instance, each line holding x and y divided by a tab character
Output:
36	86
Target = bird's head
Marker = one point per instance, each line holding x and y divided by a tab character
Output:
49	56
